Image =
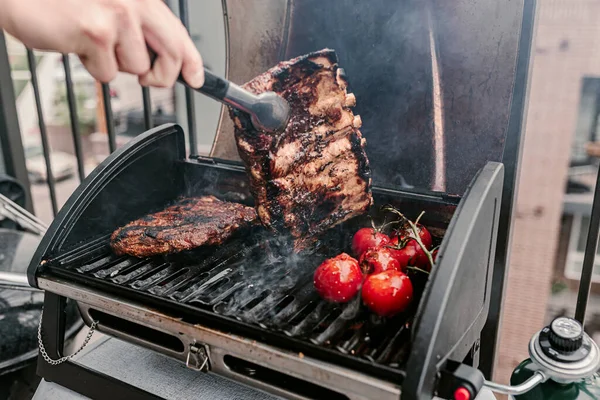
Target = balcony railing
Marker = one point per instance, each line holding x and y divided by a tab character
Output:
12	156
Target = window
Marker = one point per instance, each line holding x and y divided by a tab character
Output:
578	237
588	127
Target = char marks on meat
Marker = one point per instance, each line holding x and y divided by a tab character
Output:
187	224
316	173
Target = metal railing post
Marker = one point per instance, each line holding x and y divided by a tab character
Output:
147	108
71	100
189	93
110	122
43	132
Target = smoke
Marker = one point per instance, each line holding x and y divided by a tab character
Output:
269	272
225	184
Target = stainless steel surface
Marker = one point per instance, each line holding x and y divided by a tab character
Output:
561	371
16	281
269	111
197	358
151	372
18	214
567	328
218	345
524	387
251	50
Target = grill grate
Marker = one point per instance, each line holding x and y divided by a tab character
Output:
261	284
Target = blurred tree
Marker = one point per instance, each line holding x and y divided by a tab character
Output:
86	114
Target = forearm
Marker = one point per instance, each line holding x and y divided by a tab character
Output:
108	36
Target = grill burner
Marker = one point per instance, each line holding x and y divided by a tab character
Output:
263	284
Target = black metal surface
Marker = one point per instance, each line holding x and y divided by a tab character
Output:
147	108
73	117
229	288
190	107
10	134
110	122
13	189
591	245
457	375
455	306
43	132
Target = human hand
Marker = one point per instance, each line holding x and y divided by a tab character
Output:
109	36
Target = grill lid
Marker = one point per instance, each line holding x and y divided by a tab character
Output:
433	80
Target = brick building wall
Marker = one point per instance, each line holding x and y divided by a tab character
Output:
566	48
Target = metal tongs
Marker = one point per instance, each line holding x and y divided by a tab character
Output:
16	213
268	111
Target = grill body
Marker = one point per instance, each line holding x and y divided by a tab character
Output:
247	309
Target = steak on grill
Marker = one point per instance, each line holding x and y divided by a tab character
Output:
316	173
187	224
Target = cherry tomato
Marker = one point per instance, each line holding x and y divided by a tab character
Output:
405	255
368	238
412	254
338	279
387	293
434	255
424	235
378	260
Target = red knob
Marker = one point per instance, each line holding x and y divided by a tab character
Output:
462	394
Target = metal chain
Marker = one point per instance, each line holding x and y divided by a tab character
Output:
62	359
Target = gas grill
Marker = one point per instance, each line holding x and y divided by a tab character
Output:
247	309
440	87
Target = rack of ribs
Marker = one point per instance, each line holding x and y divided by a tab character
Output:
189	223
315	174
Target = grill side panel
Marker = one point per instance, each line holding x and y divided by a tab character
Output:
456	300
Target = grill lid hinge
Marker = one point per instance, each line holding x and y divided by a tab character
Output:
197	358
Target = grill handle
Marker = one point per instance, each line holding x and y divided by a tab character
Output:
15	281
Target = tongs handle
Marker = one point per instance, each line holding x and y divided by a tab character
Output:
214	86
269	112
219	89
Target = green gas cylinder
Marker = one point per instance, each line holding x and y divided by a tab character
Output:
567	358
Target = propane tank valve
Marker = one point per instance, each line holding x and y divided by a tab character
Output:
564	352
562	365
